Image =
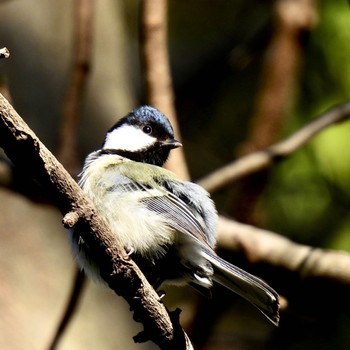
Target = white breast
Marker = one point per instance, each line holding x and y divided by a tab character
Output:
128	217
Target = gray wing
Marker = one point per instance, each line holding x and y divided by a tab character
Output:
189	218
197	220
179	216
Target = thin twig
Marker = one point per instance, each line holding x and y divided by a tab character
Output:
29	155
84	10
259	160
71	307
157	75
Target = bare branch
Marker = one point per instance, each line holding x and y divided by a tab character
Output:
122	275
260	160
84	10
157	75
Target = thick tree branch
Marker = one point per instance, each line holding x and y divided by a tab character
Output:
122	275
260	160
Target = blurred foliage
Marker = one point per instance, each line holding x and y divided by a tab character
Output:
309	194
216	60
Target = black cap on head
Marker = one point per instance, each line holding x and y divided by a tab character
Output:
155	124
147	115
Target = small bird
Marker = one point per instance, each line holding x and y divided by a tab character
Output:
167	226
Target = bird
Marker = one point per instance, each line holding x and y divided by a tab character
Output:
166	225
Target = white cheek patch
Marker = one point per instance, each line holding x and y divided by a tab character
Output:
128	138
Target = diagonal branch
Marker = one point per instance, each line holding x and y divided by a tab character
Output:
259	160
122	275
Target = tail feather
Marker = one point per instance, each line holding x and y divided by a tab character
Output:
251	288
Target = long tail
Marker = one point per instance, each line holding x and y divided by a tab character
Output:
251	288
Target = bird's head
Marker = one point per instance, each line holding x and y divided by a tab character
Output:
144	135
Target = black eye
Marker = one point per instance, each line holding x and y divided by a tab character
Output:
147	129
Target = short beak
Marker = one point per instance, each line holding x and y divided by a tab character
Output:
171	143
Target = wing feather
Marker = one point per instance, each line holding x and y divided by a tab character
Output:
165	203
180	215
250	287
